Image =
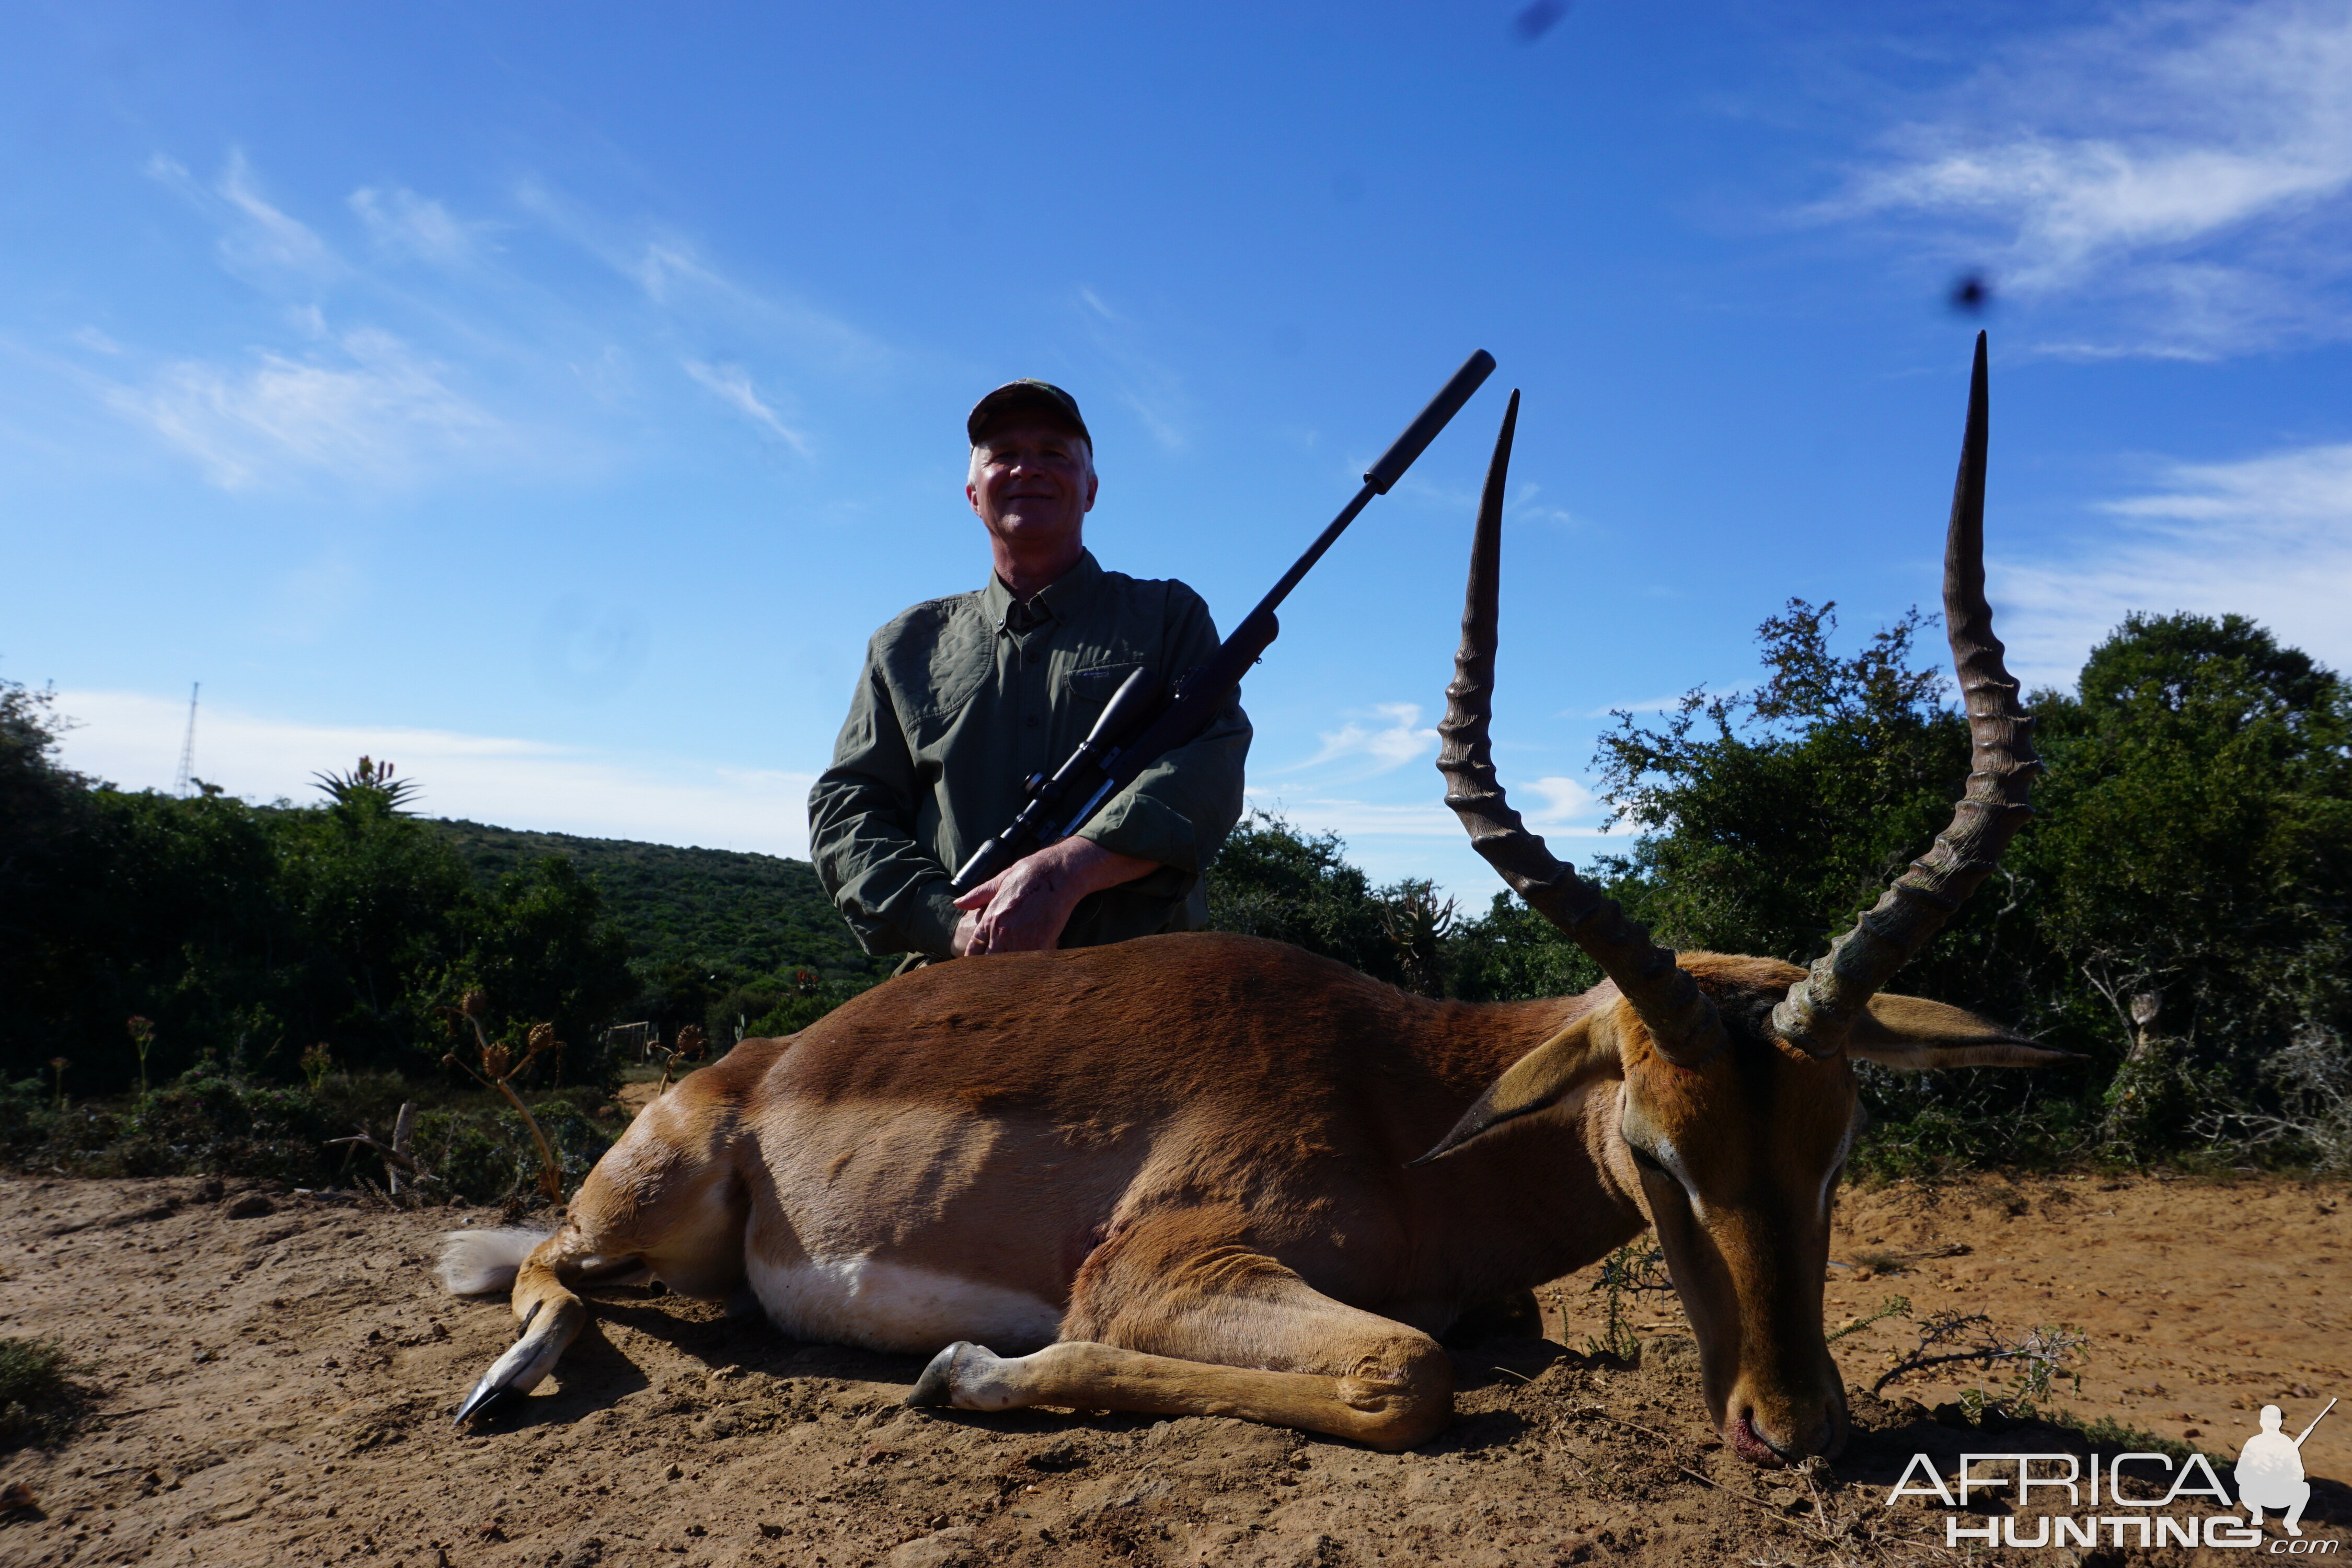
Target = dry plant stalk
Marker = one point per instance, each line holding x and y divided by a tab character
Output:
689	1048
499	1067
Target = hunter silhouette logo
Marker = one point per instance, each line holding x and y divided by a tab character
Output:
2269	1474
2270	1470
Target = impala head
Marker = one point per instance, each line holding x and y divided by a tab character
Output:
1734	1076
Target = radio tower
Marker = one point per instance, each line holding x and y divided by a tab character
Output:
181	785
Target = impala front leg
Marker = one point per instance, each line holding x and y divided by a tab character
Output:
1223	1332
1396	1395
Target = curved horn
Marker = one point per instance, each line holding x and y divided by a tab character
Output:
1819	1012
1677	1014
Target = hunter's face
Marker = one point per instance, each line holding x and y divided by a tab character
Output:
1033	482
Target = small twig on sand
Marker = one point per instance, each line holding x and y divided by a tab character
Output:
393	1158
403	1137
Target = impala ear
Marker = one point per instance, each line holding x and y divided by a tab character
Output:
1560	1072
1912	1034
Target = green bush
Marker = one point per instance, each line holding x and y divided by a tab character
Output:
476	1148
1270	880
37	1397
251	934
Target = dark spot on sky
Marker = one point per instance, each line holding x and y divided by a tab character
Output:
1972	294
1537	19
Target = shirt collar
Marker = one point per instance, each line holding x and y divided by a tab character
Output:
1058	600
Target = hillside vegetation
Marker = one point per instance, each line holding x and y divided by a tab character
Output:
715	937
2179	914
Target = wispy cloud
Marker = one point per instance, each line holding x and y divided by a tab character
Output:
671	272
732	384
1556	806
2181	170
1646	705
2268	537
1386	747
366	367
1153	393
134	739
258	241
1528	505
405	225
363	404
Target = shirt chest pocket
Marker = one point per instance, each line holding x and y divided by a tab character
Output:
1092	687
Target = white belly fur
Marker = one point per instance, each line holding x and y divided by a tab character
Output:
863	1301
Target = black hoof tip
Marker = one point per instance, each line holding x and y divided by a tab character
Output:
480	1402
934	1390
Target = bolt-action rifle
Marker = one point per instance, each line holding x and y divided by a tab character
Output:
1142	723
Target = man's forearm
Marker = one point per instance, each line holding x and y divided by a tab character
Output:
1025	907
1091	868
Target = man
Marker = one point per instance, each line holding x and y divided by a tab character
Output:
963	697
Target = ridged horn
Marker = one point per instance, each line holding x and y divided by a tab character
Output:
1681	1021
1819	1012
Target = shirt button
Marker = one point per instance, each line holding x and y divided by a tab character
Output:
1033	721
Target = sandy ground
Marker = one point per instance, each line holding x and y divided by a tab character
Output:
272	1388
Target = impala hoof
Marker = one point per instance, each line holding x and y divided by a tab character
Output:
524	1366
487	1393
935	1390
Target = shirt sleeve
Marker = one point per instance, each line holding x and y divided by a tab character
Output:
1179	809
862	833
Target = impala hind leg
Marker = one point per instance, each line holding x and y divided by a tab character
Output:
552	1317
663	1202
1225	1332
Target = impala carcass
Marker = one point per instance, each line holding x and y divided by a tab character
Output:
1209	1175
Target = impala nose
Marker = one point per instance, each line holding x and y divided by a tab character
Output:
1760	1444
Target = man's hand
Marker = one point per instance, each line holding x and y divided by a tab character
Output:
1023	907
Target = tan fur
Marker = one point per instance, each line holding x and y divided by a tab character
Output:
1176	1168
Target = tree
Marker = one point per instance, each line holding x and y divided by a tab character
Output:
2197	857
375	899
40	814
1770	816
538	945
250	935
2178	911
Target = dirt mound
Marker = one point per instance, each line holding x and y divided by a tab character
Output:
273	1374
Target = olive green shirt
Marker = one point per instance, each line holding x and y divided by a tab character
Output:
956	708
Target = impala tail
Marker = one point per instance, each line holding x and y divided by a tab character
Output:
484	1262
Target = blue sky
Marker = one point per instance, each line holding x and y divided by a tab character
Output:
553	398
